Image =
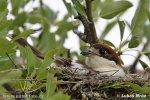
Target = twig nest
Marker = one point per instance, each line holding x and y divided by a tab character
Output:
82	83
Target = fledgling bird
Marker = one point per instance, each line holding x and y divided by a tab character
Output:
102	58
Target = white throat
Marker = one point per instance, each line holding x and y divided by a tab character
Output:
104	66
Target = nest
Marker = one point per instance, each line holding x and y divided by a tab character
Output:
91	85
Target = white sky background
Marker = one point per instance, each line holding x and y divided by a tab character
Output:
114	35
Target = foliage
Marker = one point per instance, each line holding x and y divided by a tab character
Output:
112	9
144	89
25	72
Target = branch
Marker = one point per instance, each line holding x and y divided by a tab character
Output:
24	43
89	35
76	80
86	35
91	22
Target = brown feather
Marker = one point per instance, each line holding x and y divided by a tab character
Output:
112	55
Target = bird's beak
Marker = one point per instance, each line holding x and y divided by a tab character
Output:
87	53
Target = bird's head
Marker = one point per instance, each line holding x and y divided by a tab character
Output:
102	50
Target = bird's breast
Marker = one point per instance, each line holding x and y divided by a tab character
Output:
104	66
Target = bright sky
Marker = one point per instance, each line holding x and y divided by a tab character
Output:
114	36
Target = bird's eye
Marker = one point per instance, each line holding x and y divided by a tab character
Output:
102	51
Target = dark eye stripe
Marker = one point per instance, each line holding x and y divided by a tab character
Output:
102	51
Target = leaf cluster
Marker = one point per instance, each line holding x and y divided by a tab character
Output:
20	68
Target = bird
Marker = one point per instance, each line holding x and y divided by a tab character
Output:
102	58
77	67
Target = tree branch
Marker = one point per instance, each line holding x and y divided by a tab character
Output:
24	43
89	35
86	37
91	22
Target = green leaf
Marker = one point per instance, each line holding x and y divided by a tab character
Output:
19	20
33	19
124	43
147	32
60	96
23	34
64	27
35	16
148	14
107	29
109	43
147	54
48	42
96	6
3	5
121	27
31	60
48	14
42	74
83	47
110	10
51	94
39	86
50	86
3	90
47	61
3	33
115	85
8	75
139	88
43	15
3	19
144	65
69	7
48	57
80	8
5	46
139	18
134	42
5	62
16	4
